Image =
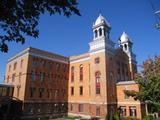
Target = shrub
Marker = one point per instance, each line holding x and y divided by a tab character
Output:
148	117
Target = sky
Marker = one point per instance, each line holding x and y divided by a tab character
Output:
70	36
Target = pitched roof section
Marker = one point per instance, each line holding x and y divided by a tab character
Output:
101	20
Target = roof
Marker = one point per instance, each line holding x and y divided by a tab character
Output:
125	38
101	20
39	53
129	82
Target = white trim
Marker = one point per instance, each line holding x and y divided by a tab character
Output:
37	55
132	103
49	58
18	58
126	82
98	51
80	60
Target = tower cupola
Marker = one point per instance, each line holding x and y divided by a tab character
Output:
101	40
125	42
101	27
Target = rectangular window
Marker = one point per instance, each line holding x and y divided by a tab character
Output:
118	71
71	107
13	77
80	107
81	72
98	90
32	90
41	90
64	68
81	90
20	74
72	73
98	111
122	110
9	68
18	90
97	60
132	111
111	75
57	66
15	65
21	63
42	75
33	76
56	92
127	76
49	77
72	90
35	62
123	71
72	78
81	76
118	75
48	93
123	75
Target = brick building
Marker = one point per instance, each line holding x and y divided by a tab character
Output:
91	84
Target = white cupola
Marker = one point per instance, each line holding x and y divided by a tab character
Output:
101	27
101	40
124	38
125	42
101	20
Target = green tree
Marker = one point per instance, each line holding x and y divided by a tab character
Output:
149	84
21	17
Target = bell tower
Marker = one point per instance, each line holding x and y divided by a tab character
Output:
101	48
101	41
101	28
126	44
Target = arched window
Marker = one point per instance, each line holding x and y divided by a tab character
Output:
97	76
100	31
95	33
125	46
81	72
72	73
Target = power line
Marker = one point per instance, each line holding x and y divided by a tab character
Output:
156	12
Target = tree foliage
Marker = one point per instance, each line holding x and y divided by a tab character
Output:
149	83
20	17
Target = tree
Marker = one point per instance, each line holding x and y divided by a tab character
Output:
20	17
149	84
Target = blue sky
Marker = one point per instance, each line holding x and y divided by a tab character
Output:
70	36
